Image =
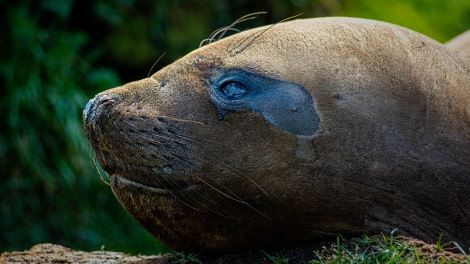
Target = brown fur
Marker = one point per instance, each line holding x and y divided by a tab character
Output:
461	44
393	151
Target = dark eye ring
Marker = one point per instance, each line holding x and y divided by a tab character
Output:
233	90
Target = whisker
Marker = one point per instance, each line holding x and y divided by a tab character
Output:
223	30
137	162
177	186
162	137
212	39
201	195
164	79
236	199
101	174
256	35
188	164
156	138
226	166
182	120
189	138
94	162
231	169
155	63
151	140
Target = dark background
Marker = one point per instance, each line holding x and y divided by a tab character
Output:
56	54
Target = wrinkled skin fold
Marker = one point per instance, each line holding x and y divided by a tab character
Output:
292	133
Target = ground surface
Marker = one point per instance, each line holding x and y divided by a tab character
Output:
354	251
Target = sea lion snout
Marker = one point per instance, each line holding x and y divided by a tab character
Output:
97	105
96	120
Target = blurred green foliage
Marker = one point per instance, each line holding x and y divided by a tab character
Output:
50	190
440	20
56	54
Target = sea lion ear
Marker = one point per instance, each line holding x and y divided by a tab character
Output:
288	106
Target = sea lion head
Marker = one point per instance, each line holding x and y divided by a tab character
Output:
292	132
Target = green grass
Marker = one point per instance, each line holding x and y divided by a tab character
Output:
467	258
181	257
377	249
366	250
278	259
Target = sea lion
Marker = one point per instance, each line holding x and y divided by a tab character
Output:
461	44
293	132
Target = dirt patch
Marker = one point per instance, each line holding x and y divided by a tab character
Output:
412	250
51	253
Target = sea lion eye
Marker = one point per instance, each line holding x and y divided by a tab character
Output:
233	90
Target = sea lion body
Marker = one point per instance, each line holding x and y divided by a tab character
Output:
293	132
461	44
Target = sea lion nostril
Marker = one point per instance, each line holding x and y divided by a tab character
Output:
95	105
88	109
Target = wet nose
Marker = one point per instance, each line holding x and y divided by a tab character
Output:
97	105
